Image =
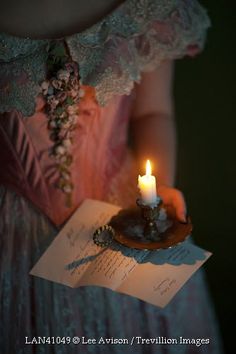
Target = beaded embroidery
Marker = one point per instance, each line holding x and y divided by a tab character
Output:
62	93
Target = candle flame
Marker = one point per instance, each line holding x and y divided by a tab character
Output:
148	168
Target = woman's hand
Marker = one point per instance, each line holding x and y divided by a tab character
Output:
175	198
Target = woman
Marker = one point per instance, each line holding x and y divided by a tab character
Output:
65	139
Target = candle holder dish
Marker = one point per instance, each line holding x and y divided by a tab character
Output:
144	227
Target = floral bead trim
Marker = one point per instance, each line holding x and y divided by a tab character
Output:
62	93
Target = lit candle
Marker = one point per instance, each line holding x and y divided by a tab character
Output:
147	186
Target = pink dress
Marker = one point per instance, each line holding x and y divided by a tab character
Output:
111	55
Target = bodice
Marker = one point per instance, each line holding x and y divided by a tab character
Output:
99	147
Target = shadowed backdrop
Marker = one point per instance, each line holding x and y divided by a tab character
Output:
206	124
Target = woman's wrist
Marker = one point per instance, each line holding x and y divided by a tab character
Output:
154	138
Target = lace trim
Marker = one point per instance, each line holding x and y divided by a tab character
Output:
12	48
146	32
19	82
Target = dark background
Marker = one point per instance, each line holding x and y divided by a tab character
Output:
206	123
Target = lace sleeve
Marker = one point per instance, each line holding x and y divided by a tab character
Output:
22	68
135	38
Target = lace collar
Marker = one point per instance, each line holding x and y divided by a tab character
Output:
135	37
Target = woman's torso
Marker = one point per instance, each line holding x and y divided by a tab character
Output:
111	55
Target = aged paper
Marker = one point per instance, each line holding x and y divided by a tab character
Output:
153	276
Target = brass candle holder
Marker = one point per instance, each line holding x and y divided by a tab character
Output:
141	227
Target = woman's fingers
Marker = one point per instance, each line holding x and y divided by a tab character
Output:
179	205
174	197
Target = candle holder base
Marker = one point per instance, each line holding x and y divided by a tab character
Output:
153	228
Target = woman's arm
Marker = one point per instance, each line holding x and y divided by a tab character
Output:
153	132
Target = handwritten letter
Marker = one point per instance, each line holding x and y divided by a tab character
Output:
153	276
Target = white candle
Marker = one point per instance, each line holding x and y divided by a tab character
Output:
147	186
